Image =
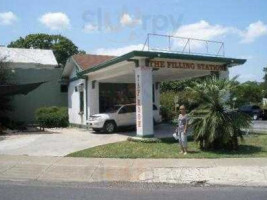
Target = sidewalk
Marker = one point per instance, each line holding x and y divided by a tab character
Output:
242	172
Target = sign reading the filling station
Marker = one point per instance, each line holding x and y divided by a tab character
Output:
187	65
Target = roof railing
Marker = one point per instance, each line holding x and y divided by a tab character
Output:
175	44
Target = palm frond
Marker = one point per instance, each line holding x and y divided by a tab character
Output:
213	124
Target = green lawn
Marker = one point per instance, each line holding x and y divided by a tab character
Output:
253	146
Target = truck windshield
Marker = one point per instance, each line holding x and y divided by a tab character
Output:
113	109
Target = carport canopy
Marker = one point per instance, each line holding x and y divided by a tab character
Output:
146	67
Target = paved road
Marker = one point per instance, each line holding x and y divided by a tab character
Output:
124	191
259	126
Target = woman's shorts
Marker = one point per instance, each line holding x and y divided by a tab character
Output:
182	138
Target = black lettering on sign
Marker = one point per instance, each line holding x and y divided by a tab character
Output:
187	65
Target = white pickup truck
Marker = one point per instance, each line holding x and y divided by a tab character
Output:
118	116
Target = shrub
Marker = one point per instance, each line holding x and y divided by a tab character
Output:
50	117
168	105
214	125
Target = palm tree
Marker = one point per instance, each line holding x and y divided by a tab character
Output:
214	125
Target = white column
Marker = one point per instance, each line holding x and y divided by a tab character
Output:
93	97
144	100
221	74
224	75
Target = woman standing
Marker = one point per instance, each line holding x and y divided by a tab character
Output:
182	129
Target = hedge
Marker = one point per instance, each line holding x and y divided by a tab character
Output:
50	117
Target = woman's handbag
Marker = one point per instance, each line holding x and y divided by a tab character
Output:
175	134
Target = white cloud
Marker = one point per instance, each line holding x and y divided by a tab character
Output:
253	31
199	30
243	77
118	51
206	31
7	18
128	20
248	57
202	30
88	28
55	21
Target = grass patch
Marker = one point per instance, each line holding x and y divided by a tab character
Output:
253	146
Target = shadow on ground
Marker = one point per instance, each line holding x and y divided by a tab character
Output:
171	140
27	132
162	130
243	150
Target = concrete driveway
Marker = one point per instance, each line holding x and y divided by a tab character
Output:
55	142
60	142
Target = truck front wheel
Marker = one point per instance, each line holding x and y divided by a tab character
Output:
109	127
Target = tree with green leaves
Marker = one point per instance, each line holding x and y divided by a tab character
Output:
265	74
62	47
264	84
214	125
173	94
250	92
180	85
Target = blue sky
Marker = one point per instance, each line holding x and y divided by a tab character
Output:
115	27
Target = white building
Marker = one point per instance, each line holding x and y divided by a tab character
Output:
29	66
92	77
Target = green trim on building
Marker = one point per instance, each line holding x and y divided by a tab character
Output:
77	78
74	79
151	55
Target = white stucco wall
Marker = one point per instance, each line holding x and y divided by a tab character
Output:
91	102
73	73
47	94
74	103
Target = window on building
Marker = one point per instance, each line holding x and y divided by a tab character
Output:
63	88
111	94
81	96
81	101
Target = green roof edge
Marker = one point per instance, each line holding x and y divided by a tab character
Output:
152	54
